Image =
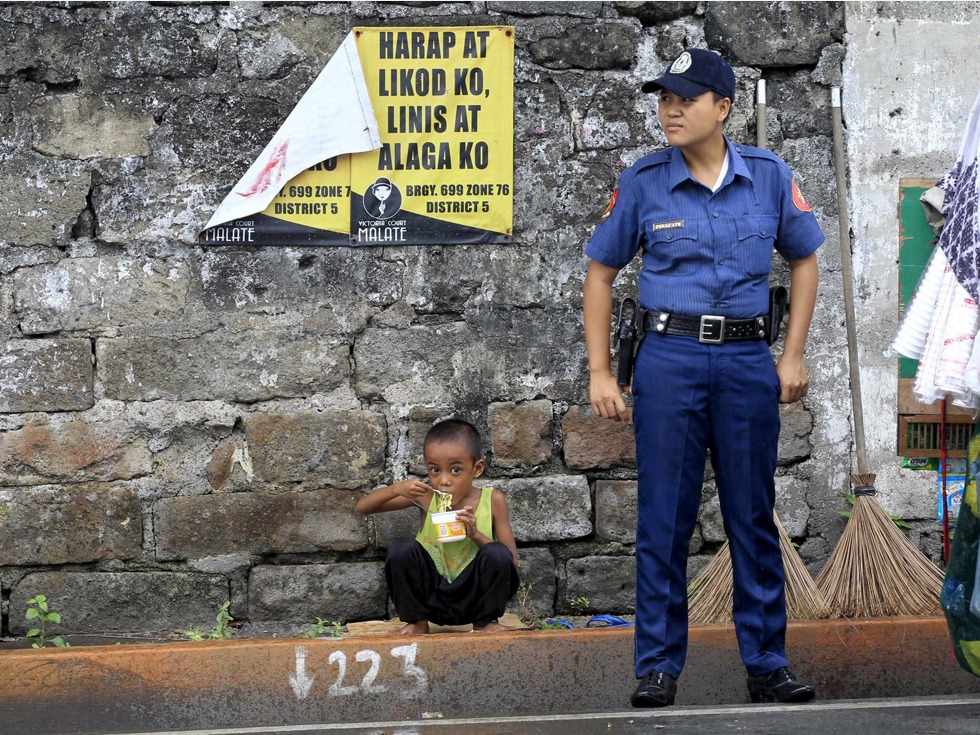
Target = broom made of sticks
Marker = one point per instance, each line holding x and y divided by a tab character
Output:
875	569
710	593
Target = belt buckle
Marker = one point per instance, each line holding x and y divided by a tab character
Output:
712	330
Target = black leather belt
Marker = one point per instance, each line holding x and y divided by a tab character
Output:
709	329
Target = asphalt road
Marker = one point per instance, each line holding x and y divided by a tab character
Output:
929	716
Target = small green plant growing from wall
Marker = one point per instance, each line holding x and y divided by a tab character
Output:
221	631
39	612
532	618
579	605
324	629
528	614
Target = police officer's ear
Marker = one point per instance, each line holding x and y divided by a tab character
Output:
724	105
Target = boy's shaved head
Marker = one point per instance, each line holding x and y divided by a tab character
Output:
456	431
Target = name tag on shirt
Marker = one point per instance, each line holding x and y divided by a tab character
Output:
677	224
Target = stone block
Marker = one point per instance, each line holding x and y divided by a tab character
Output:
523	354
592	442
615	511
74	451
333	288
144	44
46	375
793	34
801	105
535	120
262	57
410	366
655	13
710	520
229	466
515	352
420	420
551	508
100	295
537	571
829	71
344	449
796	425
48	44
183	199
608	581
579	9
602	45
41	199
520	433
603	121
255	366
301	594
124	602
88	126
71	525
394	525
791	505
252	523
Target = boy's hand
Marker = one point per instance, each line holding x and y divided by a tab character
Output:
465	514
411	489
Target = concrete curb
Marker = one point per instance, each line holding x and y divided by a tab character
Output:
104	689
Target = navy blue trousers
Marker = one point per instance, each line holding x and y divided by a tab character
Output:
689	398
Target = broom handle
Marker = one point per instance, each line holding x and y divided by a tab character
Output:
847	273
760	114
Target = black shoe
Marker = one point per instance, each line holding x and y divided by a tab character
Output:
656	689
779	686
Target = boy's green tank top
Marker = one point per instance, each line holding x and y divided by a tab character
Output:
454	557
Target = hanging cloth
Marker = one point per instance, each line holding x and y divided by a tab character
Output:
942	318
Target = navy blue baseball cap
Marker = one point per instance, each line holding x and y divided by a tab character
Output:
695	72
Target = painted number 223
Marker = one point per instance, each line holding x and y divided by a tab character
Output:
367	685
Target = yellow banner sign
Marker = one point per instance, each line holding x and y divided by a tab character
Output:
444	100
444	103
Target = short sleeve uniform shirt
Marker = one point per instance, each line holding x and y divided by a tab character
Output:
706	252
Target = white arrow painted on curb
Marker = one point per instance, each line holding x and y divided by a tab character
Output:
299	681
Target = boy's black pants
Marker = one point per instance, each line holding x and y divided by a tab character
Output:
478	595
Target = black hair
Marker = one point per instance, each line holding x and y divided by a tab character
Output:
456	431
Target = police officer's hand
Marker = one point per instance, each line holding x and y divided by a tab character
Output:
793	378
606	396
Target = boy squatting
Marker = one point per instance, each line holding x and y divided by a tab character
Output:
462	582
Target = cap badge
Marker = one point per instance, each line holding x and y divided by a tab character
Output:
681	64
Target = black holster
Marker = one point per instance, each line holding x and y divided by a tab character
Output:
626	330
778	306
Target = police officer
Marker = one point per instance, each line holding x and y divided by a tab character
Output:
706	214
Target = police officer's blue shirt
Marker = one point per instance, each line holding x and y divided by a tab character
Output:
706	252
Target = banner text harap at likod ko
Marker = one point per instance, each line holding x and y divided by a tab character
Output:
444	103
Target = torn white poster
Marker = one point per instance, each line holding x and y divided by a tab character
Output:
333	118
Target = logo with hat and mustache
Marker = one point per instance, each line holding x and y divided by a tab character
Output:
382	200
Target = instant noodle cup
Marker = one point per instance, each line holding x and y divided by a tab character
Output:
448	527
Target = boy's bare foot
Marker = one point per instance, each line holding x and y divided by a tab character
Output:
493	627
419	628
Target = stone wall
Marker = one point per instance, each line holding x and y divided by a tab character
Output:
182	425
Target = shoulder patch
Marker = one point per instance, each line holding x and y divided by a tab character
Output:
798	201
609	207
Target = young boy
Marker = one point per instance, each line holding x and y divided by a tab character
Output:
460	582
